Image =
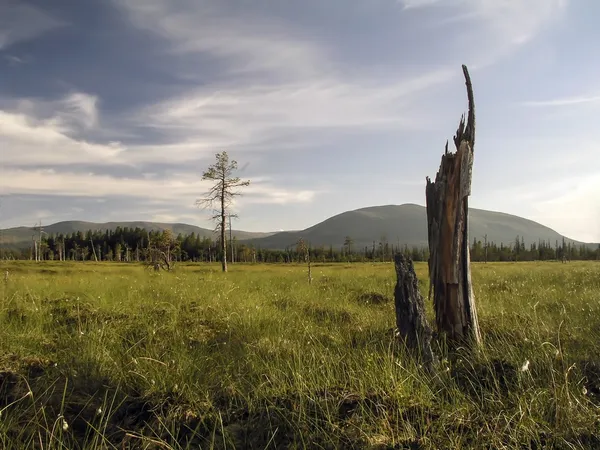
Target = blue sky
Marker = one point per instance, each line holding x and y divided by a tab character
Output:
111	109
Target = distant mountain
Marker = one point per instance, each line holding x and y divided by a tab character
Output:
20	236
407	224
403	224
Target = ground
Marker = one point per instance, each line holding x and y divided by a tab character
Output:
108	355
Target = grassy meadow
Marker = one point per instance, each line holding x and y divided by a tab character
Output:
114	356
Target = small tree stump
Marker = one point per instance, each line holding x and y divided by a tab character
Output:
410	310
447	223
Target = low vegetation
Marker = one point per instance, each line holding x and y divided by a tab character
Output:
102	356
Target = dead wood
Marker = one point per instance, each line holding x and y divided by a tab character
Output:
410	310
447	223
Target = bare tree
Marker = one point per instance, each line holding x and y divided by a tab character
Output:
220	196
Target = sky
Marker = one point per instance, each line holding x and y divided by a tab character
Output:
110	110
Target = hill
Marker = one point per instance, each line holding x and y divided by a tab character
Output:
21	236
398	224
407	224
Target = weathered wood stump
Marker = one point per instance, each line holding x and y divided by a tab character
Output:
410	310
447	223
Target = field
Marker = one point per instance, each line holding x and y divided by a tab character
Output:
102	356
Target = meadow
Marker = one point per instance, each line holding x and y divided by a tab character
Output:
113	356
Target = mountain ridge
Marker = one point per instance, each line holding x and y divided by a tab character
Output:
404	224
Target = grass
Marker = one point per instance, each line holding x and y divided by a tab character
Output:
106	356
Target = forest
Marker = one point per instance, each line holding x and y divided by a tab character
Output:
129	245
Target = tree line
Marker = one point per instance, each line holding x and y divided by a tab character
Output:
125	244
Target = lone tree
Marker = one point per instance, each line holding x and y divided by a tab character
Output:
447	224
220	196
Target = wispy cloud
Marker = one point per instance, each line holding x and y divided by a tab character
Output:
244	44
182	189
242	117
78	109
71	113
415	4
567	101
14	60
515	21
28	139
276	79
519	21
491	30
20	22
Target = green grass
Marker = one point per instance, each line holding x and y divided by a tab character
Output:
103	356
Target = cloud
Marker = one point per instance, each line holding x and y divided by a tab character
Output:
78	109
489	30
280	87
294	94
567	101
516	20
416	4
20	22
165	217
14	60
181	189
215	117
513	21
38	132
277	87
243	44
25	140
73	113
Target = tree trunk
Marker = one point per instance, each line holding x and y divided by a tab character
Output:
223	242
410	310
93	249
447	223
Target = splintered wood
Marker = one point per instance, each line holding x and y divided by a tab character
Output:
410	311
447	223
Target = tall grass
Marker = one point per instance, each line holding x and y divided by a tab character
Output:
114	356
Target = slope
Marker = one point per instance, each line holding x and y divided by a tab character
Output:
407	224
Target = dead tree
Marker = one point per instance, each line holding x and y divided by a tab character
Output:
447	224
158	253
410	311
159	260
93	249
221	195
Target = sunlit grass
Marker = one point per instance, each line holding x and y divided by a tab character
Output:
113	355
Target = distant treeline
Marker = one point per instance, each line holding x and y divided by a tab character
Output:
128	244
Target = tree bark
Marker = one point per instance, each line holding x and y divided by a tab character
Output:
410	310
447	223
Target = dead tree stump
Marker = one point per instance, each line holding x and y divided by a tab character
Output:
410	310
447	224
